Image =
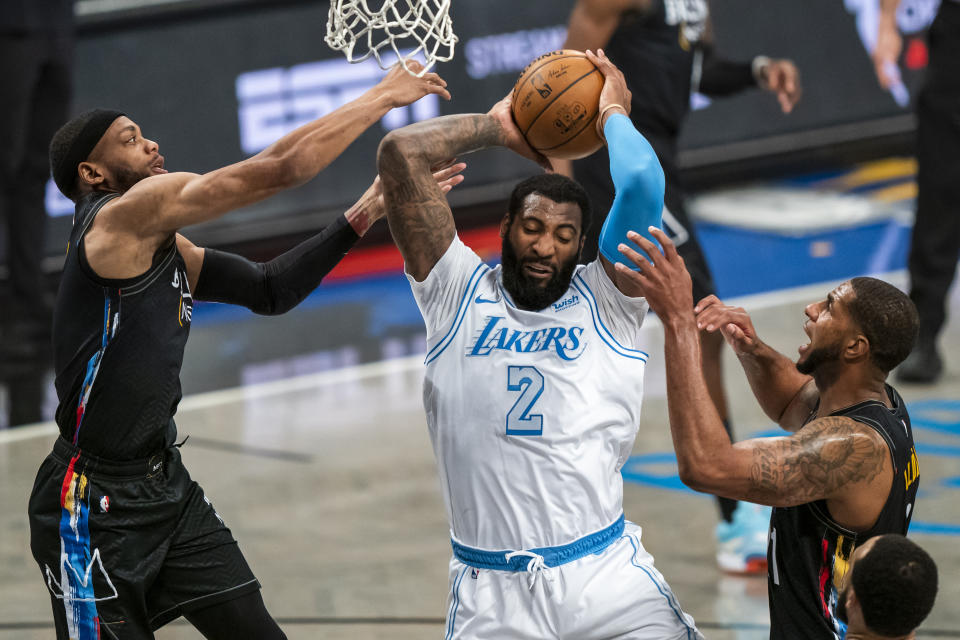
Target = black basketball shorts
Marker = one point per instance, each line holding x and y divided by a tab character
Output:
126	547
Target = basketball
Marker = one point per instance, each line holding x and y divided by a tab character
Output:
555	104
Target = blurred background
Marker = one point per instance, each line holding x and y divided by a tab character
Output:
785	206
215	81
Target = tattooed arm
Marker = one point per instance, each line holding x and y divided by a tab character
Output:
418	213
832	458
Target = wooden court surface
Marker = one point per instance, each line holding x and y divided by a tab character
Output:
329	484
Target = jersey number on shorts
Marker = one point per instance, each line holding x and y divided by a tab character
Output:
529	382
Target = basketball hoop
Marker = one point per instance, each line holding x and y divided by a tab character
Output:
358	31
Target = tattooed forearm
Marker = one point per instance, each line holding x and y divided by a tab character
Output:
822	458
417	209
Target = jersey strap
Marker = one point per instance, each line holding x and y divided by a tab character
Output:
522	560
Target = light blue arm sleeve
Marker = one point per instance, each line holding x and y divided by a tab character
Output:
639	183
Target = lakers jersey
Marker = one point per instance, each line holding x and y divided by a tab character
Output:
531	413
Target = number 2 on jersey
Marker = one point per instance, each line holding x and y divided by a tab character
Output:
529	382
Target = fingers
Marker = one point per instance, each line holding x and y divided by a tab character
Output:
707	302
438	90
648	247
443	164
784	79
735	336
601	62
434	78
449	171
669	248
635	257
450	183
544	162
592	57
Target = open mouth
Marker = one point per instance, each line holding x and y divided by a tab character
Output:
157	166
535	270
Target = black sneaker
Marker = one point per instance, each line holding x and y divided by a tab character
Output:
922	366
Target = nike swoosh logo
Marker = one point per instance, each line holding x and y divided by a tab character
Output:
480	300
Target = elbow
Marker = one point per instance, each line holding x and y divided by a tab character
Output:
645	179
396	149
697	475
690	476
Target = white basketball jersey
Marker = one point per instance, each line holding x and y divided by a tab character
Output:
531	414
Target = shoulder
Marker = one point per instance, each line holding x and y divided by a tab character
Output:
842	436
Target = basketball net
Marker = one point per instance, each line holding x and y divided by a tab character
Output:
358	31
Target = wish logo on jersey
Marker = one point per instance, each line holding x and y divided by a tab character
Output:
496	335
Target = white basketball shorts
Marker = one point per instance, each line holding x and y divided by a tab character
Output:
615	593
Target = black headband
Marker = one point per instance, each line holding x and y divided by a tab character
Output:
98	121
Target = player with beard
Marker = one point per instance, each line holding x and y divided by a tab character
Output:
850	470
533	386
125	539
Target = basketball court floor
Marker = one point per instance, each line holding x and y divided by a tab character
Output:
317	457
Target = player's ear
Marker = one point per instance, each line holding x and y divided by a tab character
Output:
505	225
858	347
90	174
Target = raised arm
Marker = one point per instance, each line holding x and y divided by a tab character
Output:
785	395
420	218
159	205
276	286
832	458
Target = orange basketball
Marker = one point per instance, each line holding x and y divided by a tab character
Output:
555	104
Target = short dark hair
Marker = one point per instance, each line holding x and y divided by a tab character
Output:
888	319
896	584
556	187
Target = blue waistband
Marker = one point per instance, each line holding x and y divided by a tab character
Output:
552	556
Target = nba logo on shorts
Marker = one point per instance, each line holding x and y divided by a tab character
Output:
104	504
474	573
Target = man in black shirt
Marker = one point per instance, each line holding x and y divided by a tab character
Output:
663	49
935	241
848	473
125	539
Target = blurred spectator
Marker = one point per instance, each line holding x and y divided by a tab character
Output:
935	243
36	48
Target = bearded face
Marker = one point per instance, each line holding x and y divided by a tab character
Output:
532	292
817	357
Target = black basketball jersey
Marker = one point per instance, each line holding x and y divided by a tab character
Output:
118	349
808	552
655	49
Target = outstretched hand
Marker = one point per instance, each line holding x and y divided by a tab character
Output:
403	88
447	174
665	282
733	323
511	137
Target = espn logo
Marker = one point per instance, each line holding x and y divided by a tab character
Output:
273	102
